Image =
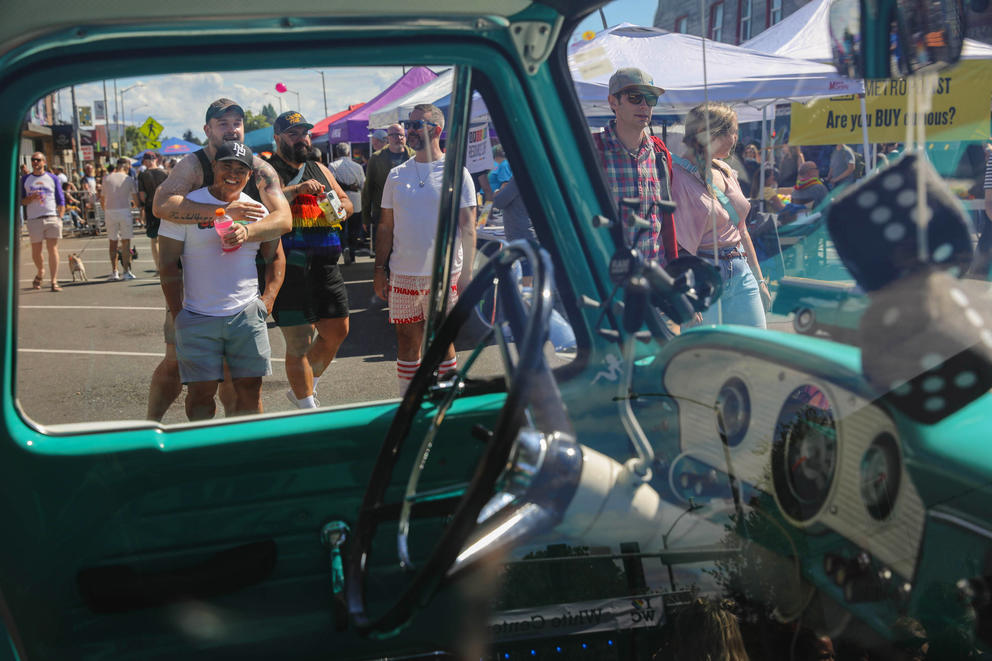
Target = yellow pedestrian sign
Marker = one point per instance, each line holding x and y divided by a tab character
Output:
153	144
151	129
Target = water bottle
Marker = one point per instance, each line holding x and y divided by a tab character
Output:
333	210
222	225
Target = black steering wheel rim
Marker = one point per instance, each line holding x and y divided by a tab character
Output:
532	329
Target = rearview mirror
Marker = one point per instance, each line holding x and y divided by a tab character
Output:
875	39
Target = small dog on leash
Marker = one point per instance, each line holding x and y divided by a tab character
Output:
76	267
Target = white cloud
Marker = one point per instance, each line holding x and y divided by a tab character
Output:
179	101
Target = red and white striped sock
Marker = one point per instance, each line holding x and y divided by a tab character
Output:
447	365
405	369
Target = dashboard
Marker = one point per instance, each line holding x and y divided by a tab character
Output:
829	458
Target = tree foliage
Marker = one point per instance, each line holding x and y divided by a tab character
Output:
254	122
189	136
529	585
269	113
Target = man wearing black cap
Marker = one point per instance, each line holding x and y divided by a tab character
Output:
224	121
218	314
637	165
314	295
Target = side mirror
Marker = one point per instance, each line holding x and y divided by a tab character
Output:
879	39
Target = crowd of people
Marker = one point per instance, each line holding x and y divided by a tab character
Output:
284	233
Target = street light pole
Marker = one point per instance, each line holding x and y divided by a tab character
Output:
286	89
124	114
323	87
278	97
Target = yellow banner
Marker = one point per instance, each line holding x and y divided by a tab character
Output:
959	111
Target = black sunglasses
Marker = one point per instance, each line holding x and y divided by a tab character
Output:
417	124
638	97
37	159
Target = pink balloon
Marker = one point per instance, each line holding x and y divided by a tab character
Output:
280	87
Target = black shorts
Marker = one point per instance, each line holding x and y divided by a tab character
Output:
313	290
151	224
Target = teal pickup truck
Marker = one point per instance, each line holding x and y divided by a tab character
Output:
533	504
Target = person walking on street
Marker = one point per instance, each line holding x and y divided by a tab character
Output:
380	163
118	195
637	165
351	176
411	200
148	182
44	204
314	297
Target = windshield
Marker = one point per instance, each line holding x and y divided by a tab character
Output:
836	213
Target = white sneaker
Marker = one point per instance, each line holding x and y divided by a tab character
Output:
114	276
299	403
129	276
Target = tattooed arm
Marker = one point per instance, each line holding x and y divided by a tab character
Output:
171	204
280	220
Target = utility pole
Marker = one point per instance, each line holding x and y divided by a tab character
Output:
323	86
77	152
117	123
106	116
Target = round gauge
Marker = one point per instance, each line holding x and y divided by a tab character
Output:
804	452
881	472
733	411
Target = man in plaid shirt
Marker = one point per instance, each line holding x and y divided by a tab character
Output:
628	157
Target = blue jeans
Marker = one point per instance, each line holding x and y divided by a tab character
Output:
740	298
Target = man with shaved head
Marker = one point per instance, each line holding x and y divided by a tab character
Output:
381	162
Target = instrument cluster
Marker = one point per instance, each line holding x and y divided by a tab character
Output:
829	458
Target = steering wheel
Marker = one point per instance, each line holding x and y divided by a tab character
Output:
531	383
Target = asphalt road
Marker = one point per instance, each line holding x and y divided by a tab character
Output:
87	354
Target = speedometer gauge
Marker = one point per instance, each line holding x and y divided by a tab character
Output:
881	472
804	452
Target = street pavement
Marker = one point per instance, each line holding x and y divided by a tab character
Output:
87	353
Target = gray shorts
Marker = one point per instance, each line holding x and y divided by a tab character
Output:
44	227
203	343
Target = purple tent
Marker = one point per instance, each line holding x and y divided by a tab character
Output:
354	127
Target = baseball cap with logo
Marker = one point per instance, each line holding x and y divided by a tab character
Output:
288	119
235	151
220	106
630	77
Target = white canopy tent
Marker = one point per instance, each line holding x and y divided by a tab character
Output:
437	92
744	78
805	34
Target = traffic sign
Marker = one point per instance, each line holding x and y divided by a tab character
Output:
153	144
151	129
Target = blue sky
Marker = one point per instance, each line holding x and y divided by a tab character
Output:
178	101
638	12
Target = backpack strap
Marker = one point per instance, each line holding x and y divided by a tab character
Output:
205	167
663	163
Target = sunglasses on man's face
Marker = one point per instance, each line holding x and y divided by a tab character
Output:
417	124
41	160
637	98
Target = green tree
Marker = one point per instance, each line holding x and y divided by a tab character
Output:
534	584
134	141
269	113
254	122
188	136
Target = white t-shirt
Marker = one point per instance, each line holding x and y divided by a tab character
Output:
117	191
215	283
44	184
415	211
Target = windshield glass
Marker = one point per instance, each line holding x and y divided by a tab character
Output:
837	213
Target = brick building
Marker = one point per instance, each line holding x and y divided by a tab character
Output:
735	21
